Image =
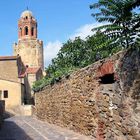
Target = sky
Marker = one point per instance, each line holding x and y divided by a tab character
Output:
58	21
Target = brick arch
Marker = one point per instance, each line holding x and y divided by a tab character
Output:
20	32
26	30
32	31
106	68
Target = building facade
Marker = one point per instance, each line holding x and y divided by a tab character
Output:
20	71
11	86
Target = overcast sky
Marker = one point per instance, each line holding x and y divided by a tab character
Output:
58	20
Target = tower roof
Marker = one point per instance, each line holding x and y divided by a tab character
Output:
26	13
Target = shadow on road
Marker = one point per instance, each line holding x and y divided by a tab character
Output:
8	115
10	131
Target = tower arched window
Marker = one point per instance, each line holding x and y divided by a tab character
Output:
20	30
26	30
32	31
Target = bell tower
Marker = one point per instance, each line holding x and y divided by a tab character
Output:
27	26
29	48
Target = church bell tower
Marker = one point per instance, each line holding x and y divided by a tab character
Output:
29	48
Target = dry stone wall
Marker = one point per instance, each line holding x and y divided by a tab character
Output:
101	100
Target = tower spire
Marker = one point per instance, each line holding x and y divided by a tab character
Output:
27	4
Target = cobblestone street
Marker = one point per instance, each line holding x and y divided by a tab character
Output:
28	128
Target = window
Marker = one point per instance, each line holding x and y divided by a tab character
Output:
26	17
107	79
5	93
32	31
20	31
26	30
27	66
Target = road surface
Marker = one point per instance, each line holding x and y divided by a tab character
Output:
29	128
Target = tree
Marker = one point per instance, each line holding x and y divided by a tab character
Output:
75	54
122	24
133	4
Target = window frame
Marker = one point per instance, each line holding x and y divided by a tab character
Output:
5	94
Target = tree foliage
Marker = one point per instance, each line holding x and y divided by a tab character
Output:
122	23
75	54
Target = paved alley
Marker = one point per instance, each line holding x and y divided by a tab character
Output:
28	128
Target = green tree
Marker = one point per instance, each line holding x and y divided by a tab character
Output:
75	54
132	5
122	24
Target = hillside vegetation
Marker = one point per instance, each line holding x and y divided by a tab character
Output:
121	31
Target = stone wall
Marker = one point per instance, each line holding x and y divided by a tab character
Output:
101	100
31	52
9	69
21	110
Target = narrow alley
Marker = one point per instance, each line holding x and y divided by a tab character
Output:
28	128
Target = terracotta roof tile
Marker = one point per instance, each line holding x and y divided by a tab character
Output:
29	71
32	70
